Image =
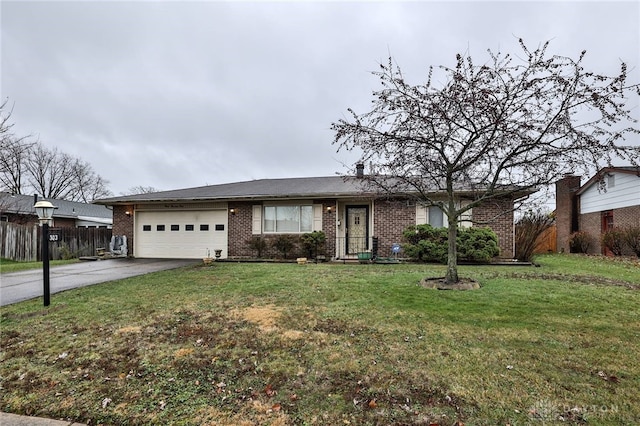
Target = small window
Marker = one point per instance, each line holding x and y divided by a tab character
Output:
611	181
188	228
204	227
160	228
175	227
436	217
146	227
219	227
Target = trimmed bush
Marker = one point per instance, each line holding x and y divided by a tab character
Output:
258	244
477	244
425	243
579	242
314	243
631	237
285	243
613	240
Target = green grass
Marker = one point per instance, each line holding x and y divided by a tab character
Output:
7	265
281	344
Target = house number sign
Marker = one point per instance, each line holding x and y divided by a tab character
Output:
53	237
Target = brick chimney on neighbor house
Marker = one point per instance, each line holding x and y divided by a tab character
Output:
566	210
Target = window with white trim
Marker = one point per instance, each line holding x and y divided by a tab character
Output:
287	219
435	217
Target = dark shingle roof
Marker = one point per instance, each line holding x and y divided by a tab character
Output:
316	187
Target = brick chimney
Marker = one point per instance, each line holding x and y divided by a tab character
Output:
566	210
359	170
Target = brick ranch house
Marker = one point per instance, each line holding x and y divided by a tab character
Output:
193	222
611	198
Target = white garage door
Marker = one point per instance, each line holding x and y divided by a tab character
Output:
180	235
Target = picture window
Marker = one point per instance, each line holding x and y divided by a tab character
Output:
288	219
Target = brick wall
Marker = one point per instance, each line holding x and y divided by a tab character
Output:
241	225
329	226
498	215
123	225
591	223
391	217
566	210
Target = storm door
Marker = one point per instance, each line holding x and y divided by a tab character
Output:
607	225
357	229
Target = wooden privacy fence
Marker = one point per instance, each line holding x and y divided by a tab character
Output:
22	242
546	242
19	242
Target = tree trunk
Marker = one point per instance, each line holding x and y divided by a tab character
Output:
452	257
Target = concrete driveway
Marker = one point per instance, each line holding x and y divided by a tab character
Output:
18	286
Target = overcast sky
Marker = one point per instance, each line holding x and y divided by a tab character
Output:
182	94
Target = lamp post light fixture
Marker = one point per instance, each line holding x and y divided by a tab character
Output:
45	209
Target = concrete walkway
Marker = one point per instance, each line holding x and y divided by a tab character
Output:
24	285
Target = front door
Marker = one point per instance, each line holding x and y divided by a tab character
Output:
357	230
607	225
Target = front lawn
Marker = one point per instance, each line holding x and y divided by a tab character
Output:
7	265
280	344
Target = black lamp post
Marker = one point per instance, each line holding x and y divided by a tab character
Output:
44	209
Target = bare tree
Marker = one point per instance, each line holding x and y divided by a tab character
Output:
88	185
13	153
140	189
55	174
50	172
492	130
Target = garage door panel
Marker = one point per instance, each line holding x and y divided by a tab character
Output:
180	243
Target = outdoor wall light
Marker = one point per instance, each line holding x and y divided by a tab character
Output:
232	211
329	209
44	210
128	213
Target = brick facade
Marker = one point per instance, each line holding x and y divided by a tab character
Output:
241	225
390	218
123	225
566	210
498	215
591	223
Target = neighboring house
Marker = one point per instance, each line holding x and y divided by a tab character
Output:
611	198
68	214
194	222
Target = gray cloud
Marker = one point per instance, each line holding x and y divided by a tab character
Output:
179	94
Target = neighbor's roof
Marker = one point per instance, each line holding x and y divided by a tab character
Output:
23	204
261	189
631	170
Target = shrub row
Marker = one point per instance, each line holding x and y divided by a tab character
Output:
428	244
616	240
287	245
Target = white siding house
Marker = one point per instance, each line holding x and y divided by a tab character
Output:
616	190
